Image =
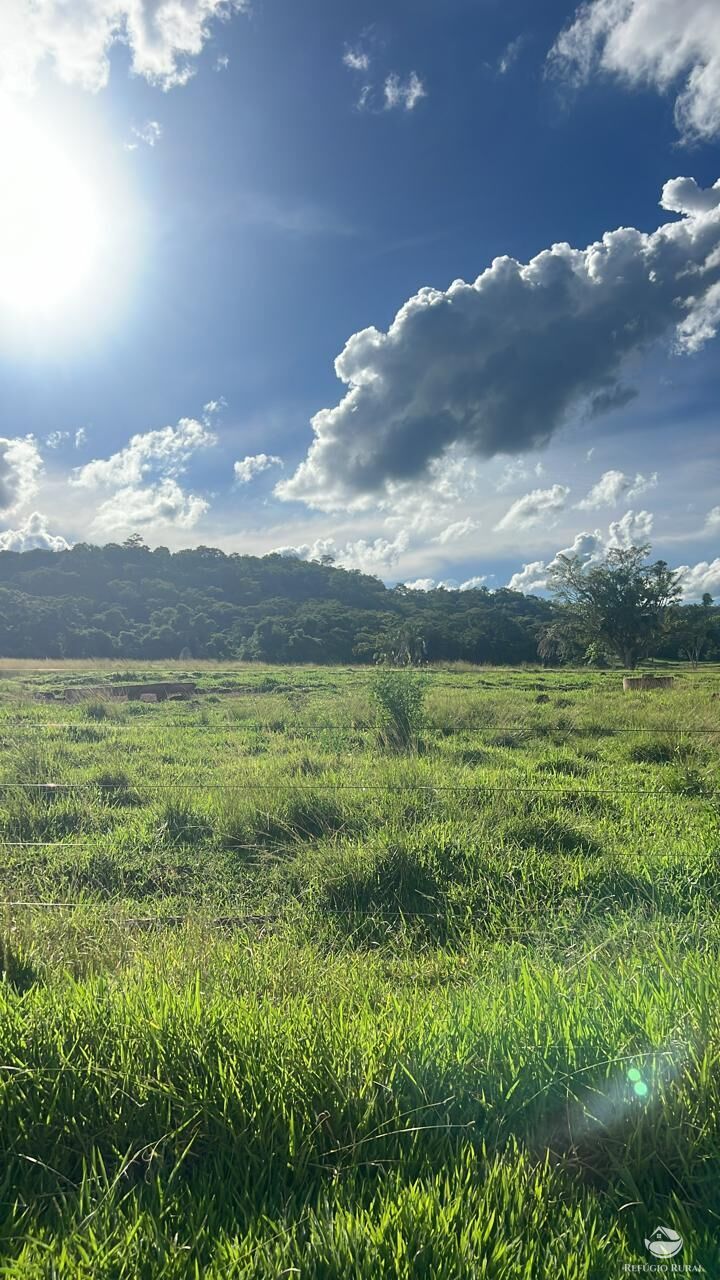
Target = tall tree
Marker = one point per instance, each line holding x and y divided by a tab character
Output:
618	604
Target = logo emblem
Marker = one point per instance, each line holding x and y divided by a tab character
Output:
664	1243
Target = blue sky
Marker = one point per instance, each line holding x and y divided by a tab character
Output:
212	200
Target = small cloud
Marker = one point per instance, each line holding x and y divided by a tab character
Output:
138	507
33	535
213	408
613	486
253	465
516	471
222	63
80	437
510	54
632	530
534	507
56	438
20	466
454	532
532	577
697	579
403	94
713	518
149	134
356	59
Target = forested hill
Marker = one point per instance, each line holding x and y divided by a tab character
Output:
131	602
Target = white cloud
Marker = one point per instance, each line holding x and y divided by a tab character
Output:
20	466
632	530
515	472
253	465
667	44
167	451
454	532
213	407
532	577
613	486
696	579
533	507
149	134
144	478
713	517
448	584
404	94
31	536
164	503
162	37
510	54
222	63
56	438
588	547
356	59
498	365
370	557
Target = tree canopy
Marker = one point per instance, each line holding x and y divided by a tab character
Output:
618	605
128	601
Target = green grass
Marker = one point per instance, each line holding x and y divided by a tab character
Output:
279	999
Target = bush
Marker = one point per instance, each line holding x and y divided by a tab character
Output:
400	698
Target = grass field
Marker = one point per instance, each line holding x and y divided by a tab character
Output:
280	1000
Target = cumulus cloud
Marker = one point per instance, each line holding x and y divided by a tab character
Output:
164	503
534	507
371	557
696	579
448	584
404	94
32	535
613	487
498	365
455	531
144	479
162	37
532	577
253	464
713	518
632	530
166	450
666	44
588	547
20	466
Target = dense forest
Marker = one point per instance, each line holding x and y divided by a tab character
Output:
128	601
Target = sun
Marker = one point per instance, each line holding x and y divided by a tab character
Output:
52	223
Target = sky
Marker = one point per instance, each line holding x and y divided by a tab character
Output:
431	288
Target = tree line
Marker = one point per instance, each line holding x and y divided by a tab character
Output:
128	601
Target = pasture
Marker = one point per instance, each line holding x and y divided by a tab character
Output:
281	998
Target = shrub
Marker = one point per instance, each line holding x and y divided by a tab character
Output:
96	710
400	698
